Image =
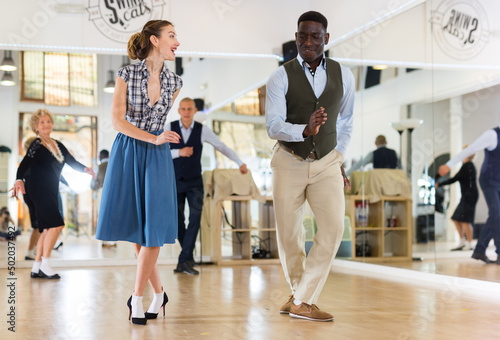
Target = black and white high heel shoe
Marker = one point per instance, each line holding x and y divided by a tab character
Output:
58	245
136	321
155	315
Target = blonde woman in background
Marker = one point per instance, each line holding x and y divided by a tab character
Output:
38	178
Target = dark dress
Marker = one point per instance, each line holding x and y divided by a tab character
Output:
41	173
466	209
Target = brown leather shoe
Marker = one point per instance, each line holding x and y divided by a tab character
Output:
309	312
285	309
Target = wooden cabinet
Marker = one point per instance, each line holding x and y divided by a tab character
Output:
386	234
239	240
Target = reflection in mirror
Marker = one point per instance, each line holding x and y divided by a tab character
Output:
421	82
75	132
250	143
386	196
389	86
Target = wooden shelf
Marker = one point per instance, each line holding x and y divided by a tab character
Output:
236	230
368	228
380	238
235	245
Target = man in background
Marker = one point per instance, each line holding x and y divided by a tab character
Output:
187	163
382	157
489	180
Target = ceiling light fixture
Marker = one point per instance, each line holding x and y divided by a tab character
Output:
8	62
7	79
110	85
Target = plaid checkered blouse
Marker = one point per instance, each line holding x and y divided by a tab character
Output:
139	110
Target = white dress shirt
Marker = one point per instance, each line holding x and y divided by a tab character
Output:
208	136
488	140
277	87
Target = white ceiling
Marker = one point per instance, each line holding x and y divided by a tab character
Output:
362	31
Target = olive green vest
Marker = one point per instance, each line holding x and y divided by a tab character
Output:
301	102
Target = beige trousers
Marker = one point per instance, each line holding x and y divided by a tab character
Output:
321	183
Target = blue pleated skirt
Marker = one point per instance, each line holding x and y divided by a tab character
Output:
139	198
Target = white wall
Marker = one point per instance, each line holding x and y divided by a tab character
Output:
378	106
220	80
378	43
224	26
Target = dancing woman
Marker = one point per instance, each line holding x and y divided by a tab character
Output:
139	199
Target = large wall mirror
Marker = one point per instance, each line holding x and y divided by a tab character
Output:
427	79
430	90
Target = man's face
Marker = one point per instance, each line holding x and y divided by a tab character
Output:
187	110
311	39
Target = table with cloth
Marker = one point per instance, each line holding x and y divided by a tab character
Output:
380	182
219	185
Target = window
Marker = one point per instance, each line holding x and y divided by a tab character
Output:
60	79
32	74
252	103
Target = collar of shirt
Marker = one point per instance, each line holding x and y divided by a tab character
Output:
186	133
190	126
305	65
145	71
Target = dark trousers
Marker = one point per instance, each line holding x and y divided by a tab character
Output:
8	236
491	192
192	190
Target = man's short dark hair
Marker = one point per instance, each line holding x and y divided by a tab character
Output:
103	154
313	16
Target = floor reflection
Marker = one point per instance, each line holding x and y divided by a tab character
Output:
437	258
454	263
84	247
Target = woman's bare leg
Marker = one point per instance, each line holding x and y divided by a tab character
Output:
146	263
458	226
35	235
468	230
154	278
39	246
49	240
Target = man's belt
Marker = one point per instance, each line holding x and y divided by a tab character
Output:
312	155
